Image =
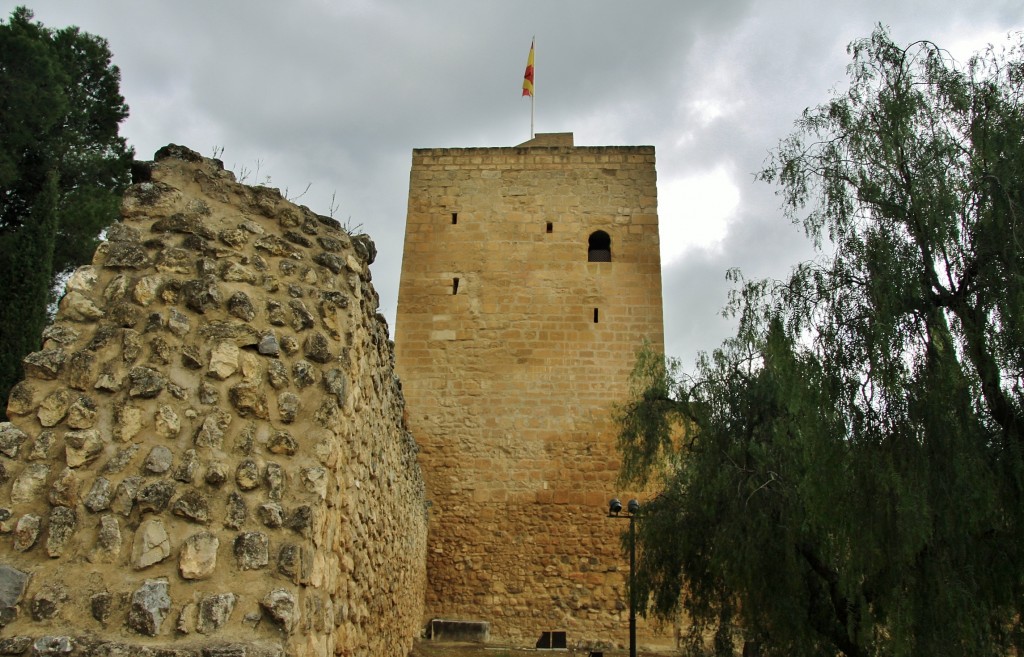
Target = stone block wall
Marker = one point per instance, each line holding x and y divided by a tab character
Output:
208	455
513	346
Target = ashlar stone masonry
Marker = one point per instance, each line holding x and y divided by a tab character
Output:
208	456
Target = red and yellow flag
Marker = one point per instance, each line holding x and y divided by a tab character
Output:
528	76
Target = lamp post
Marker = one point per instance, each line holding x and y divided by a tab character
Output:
632	509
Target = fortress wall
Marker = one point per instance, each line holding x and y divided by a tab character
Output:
208	456
510	375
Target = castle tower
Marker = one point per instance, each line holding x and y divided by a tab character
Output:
530	277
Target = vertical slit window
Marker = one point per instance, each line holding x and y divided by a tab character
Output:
595	315
550	227
455	218
455	285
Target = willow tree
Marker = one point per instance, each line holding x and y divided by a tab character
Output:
850	479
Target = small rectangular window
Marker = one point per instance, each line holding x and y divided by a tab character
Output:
550	226
595	315
455	286
551	641
455	218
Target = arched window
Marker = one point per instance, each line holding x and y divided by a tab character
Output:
599	247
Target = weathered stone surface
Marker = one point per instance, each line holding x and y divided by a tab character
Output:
42	446
236	512
45	364
54	407
282	443
277	374
334	383
192	505
202	294
300	520
99	495
26	532
126	255
247	474
303	373
270	514
283	607
275	481
317	348
145	383
30	483
14	645
77	307
64	491
11	438
151	544
186	470
166	422
62	524
22	399
124	495
240	333
108	541
159	460
82	370
248	399
131	346
155	496
198	557
333	262
240	305
216	474
314	480
120	460
47	601
252	550
149	605
53	645
214	612
223	360
178	322
268	345
82	413
128	421
289	345
211	433
12	586
82	447
100	606
287	407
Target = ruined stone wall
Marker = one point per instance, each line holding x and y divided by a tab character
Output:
512	348
207	456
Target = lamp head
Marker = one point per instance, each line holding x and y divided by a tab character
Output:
615	506
633	506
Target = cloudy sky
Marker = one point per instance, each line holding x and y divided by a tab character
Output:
335	94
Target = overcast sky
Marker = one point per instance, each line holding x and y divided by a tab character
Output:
335	94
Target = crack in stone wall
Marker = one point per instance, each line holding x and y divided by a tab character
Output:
208	455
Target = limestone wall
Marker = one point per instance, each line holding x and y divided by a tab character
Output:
512	347
207	456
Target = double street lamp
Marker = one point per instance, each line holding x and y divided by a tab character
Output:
615	511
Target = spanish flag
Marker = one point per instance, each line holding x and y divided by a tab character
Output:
528	76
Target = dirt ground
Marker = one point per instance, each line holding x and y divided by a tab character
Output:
426	648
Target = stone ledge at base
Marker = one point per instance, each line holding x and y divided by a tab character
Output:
84	646
459	630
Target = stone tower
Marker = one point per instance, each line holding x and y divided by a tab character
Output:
530	277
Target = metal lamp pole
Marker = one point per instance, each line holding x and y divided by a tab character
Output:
633	507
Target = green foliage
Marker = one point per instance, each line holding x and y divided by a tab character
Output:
63	168
852	477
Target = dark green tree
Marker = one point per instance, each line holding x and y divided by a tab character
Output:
846	474
63	168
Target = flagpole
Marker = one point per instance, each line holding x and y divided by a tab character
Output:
533	96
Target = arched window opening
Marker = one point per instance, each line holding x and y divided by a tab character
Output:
599	247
